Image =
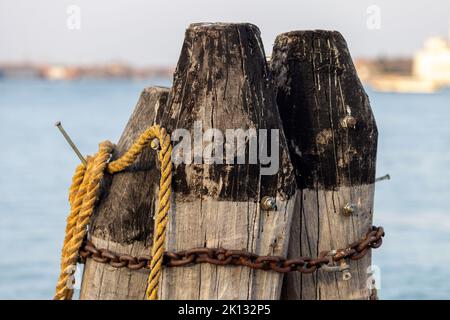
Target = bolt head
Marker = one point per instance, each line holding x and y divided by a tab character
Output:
349	122
154	144
348	209
268	203
346	276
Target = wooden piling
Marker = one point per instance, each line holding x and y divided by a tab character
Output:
123	221
332	137
222	82
324	197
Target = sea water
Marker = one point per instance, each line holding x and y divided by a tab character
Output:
36	166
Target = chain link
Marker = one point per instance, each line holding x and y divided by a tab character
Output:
221	257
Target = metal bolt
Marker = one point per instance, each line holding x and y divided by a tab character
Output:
70	142
346	275
268	203
155	144
348	209
385	177
349	122
331	266
344	268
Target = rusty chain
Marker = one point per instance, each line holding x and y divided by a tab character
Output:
219	256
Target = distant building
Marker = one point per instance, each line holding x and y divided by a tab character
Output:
432	63
427	72
58	73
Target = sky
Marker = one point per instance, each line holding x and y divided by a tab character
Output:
151	32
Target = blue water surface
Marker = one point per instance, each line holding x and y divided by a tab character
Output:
36	166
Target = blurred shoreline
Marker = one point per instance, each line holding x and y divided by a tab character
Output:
426	71
61	72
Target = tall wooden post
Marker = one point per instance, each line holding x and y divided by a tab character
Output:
222	82
123	221
332	137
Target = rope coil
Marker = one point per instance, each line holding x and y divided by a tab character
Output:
83	194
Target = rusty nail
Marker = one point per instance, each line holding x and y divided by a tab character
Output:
385	177
70	142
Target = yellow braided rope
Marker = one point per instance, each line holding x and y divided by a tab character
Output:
84	192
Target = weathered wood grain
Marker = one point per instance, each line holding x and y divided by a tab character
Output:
332	137
123	219
222	80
